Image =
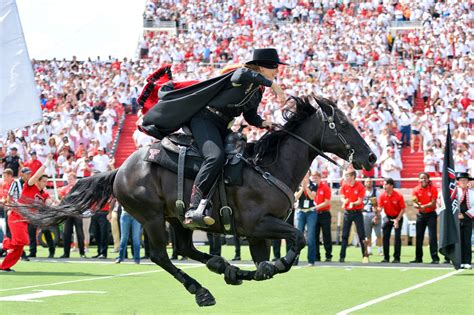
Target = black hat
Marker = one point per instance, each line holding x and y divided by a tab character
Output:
389	181
266	57
33	152
460	175
25	170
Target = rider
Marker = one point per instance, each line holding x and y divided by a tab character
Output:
240	94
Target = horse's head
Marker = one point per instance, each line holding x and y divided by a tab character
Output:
340	137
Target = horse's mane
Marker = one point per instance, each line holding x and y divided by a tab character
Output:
268	143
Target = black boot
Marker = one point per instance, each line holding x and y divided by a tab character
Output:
195	216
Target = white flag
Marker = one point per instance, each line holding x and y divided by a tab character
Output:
19	101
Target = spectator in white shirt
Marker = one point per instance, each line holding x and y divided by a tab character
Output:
101	161
431	162
391	167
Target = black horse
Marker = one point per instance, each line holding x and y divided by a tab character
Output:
148	192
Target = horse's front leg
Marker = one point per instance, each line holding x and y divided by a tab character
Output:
232	274
272	228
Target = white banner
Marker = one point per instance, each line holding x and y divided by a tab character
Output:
19	100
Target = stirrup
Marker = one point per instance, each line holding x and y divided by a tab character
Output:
195	219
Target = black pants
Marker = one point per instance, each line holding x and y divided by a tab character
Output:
237	246
208	134
324	224
68	225
466	235
173	242
349	217
387	231
146	244
47	235
429	220
101	226
215	244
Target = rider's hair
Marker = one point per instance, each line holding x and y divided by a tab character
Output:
234	66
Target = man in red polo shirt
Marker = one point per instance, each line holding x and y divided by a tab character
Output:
424	199
32	190
393	204
352	196
322	200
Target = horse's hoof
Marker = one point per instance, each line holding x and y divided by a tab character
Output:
265	270
204	297
231	275
365	260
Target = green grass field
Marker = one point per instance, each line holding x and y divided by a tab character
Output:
147	289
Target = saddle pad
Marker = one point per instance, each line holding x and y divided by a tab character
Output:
169	160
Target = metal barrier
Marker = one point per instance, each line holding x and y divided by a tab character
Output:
405	24
158	24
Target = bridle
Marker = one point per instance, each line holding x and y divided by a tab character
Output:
332	125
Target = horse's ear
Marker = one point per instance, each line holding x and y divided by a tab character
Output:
316	101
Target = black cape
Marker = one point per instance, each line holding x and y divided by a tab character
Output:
176	108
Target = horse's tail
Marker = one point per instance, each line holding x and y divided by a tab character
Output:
89	194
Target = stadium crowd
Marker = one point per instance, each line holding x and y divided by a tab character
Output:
342	50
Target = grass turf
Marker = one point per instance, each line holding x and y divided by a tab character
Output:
147	289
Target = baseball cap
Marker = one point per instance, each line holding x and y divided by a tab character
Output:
32	152
25	170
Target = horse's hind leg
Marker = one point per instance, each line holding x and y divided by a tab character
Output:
155	229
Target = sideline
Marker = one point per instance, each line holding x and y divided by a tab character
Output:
348	266
91	279
394	294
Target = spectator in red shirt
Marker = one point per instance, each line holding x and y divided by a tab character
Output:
393	204
352	196
424	199
33	190
34	164
322	200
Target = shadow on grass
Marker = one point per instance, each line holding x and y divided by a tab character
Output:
52	273
463	274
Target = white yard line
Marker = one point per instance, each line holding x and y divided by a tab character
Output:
91	279
394	294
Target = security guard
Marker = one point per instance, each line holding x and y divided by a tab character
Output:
352	196
424	199
393	204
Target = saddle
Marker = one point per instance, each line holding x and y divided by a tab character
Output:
178	153
166	153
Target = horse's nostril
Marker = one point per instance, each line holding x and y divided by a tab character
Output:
372	158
